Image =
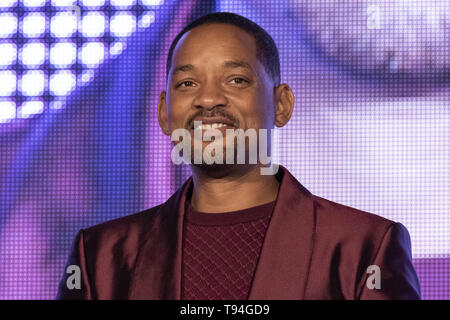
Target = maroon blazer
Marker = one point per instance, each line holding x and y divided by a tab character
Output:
313	249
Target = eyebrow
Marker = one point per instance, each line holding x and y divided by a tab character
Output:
184	68
230	64
237	64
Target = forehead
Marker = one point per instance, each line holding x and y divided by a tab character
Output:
217	42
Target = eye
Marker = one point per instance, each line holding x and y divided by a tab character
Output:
239	81
185	84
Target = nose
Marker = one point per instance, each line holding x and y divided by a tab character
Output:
209	96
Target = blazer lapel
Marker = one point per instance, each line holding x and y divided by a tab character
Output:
283	267
157	274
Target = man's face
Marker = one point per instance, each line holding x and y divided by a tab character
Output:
216	77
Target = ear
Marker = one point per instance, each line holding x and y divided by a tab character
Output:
162	113
284	104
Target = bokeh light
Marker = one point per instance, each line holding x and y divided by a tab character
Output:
93	4
33	24
62	82
33	54
8	25
8	54
7	83
7	110
93	24
30	108
123	4
64	24
63	54
92	54
123	24
33	3
32	83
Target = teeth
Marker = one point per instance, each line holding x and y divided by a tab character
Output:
210	126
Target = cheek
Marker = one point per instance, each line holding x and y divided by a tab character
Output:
259	112
176	114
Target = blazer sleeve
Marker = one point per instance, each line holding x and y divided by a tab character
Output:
398	278
75	283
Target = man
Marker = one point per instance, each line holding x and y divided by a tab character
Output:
232	232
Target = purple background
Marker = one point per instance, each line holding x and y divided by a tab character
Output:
369	130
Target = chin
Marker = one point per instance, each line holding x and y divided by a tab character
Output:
216	170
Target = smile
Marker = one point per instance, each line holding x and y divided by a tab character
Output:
204	126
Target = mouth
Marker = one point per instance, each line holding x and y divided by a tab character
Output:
208	123
209	126
209	130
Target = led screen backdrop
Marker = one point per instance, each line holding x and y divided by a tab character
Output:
80	143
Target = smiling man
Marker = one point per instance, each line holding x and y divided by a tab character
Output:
231	232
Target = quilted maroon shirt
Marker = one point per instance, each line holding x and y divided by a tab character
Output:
220	252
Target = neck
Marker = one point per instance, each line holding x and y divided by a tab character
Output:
240	187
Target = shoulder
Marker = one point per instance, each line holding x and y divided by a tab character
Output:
127	229
344	222
348	241
106	249
343	213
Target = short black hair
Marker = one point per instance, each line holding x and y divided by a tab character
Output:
266	49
